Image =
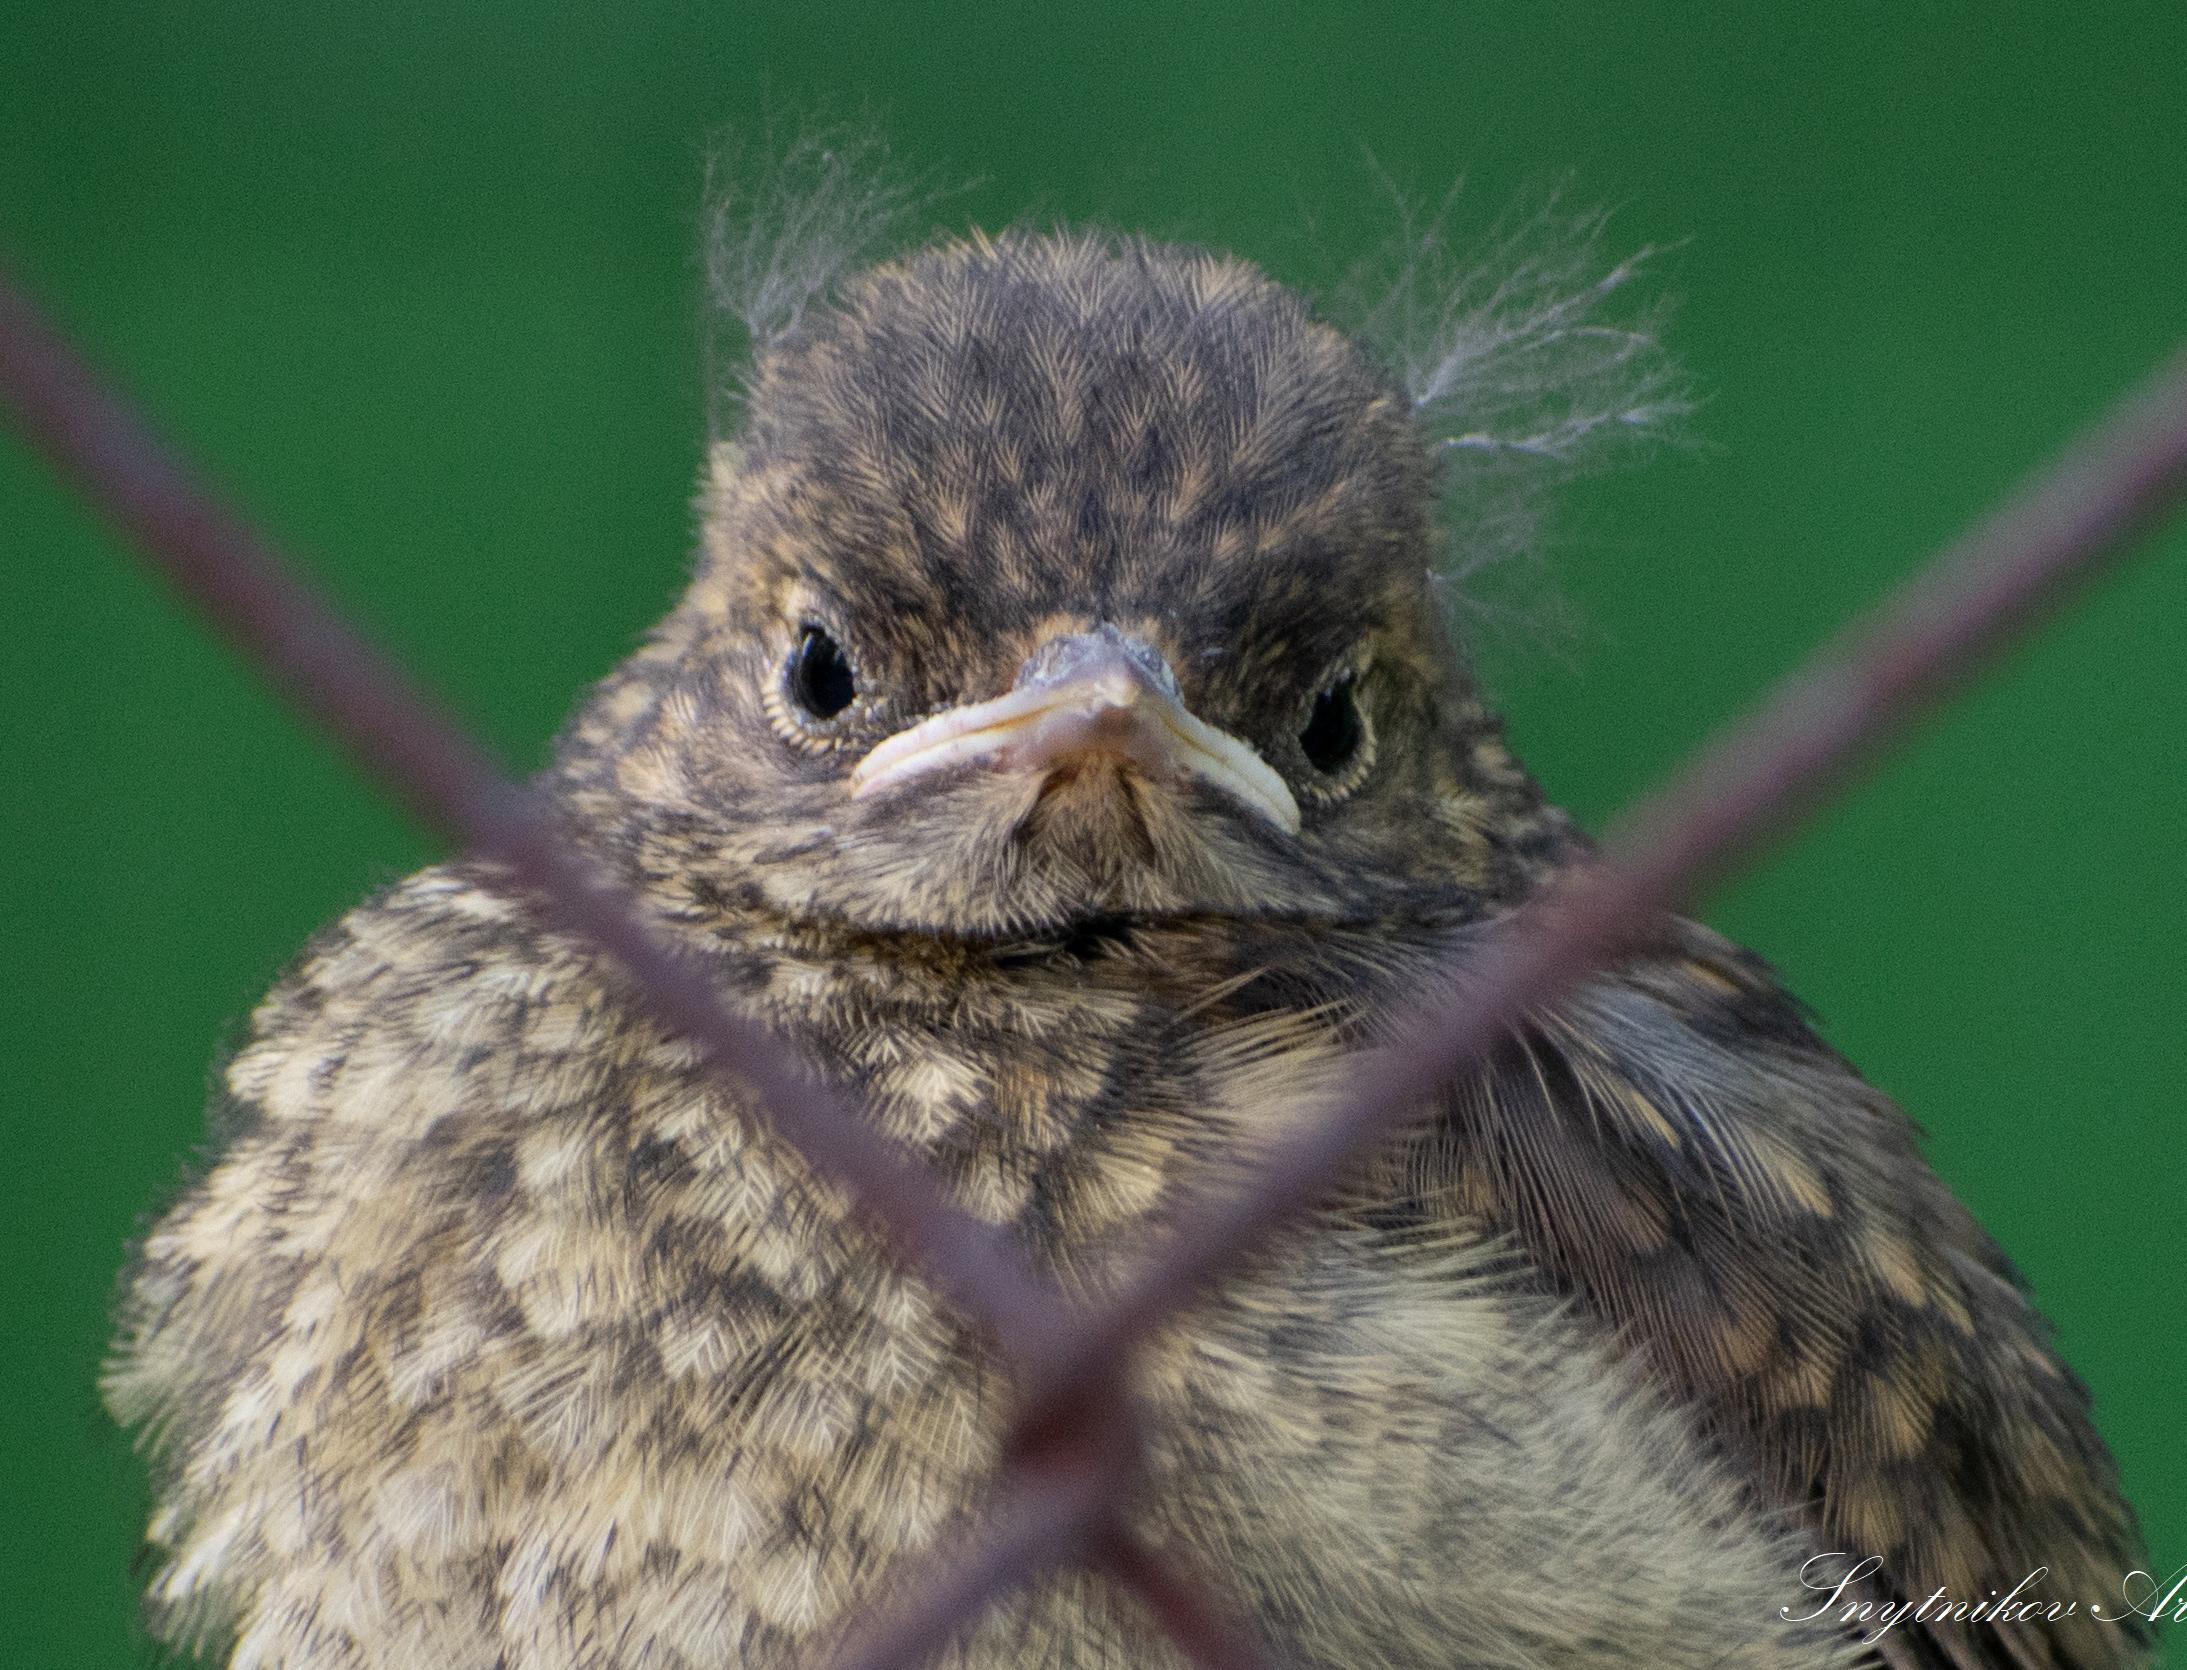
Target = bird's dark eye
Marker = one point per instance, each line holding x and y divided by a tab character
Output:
1334	729
820	675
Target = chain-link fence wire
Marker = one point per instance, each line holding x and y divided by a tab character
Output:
1072	1446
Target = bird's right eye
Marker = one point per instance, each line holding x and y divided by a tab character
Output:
820	679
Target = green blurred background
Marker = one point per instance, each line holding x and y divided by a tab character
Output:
416	284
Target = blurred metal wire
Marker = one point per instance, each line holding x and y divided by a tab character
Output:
1070	1456
251	595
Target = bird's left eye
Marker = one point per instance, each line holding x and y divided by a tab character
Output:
1334	729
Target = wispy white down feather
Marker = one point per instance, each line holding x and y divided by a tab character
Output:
1528	358
785	226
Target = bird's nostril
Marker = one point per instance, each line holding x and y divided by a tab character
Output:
1083	654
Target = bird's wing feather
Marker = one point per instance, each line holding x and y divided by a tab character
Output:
1675	1147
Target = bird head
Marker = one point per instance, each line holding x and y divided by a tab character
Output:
1051	579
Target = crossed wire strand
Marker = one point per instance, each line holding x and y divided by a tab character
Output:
1071	1453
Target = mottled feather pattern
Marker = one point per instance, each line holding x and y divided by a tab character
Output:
546	1344
499	1334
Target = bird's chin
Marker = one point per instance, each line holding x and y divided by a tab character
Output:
1099	817
995	856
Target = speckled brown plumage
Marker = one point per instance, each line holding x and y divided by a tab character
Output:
498	1335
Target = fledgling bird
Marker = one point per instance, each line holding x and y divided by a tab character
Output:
1063	743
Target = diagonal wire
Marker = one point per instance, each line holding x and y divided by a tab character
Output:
1036	1520
389	726
1181	1600
2021	562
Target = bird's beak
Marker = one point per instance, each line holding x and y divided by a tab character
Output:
1085	695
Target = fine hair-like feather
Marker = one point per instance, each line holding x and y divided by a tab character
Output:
784	225
1532	355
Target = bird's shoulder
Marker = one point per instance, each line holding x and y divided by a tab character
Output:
1675	1147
